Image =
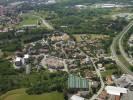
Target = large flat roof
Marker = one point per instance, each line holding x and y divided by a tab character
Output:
115	90
75	97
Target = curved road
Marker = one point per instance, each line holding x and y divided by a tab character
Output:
113	49
123	33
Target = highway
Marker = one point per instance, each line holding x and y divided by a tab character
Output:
123	33
113	49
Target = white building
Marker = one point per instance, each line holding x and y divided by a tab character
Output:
26	58
18	62
1	10
75	97
125	80
81	6
87	59
109	5
50	2
116	90
100	67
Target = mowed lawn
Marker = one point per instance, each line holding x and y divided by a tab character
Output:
28	20
20	94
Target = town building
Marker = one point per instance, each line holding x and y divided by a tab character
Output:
103	95
116	91
18	62
2	10
125	81
50	2
75	97
109	5
80	6
54	63
26	58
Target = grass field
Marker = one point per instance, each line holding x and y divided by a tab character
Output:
20	94
108	72
122	59
28	19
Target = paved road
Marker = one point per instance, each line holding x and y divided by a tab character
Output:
43	62
45	22
65	65
123	33
94	97
113	51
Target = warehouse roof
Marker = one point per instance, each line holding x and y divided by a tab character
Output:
75	97
115	90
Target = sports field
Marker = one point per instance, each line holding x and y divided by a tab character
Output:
20	94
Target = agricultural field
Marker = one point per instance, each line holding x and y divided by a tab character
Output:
20	94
